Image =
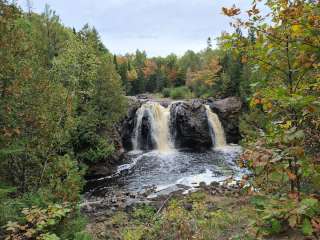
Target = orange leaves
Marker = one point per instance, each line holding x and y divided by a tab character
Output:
121	60
214	66
233	11
314	21
172	75
150	67
207	76
316	224
244	59
253	11
11	132
291	175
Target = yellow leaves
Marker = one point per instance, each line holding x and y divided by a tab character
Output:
233	11
38	221
286	125
297	30
267	106
132	75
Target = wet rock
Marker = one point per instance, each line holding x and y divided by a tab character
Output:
215	184
212	207
126	126
188	206
132	195
146	139
189	125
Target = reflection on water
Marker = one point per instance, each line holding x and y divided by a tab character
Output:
175	170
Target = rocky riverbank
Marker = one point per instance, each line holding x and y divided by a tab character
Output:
104	212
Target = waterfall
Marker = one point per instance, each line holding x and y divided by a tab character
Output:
159	118
216	128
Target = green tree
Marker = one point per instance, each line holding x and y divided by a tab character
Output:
283	58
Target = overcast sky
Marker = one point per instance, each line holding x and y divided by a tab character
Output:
160	27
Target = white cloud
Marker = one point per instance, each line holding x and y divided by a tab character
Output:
160	27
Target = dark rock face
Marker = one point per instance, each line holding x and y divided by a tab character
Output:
147	142
229	110
126	127
189	125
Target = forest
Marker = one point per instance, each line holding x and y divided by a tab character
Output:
63	95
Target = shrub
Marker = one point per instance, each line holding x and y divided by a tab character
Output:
181	93
166	92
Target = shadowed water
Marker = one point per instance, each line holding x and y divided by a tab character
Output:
171	171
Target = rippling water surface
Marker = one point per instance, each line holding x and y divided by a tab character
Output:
170	171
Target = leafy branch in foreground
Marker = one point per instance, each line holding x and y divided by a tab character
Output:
282	51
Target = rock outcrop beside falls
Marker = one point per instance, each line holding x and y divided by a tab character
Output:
189	125
126	127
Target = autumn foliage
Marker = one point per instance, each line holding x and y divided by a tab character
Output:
282	50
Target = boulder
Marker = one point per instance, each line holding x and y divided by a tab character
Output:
189	125
229	110
146	140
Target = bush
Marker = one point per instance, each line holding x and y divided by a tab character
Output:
166	92
181	93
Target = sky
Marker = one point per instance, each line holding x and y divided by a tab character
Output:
160	27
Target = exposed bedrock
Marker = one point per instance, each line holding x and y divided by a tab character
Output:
189	125
188	122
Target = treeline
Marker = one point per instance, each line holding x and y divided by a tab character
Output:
209	73
60	96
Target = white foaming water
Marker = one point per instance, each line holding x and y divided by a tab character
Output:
216	131
159	118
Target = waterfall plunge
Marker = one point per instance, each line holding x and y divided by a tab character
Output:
159	118
216	129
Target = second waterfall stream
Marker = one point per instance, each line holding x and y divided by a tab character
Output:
216	129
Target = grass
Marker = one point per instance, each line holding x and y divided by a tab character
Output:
196	216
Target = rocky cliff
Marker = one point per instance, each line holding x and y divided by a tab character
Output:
188	122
